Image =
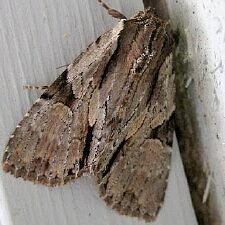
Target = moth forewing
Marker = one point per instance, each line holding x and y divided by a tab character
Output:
108	114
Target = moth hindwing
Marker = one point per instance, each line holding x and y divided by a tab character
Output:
108	114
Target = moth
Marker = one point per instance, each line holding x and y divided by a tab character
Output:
108	115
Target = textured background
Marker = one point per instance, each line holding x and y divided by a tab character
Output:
201	77
36	37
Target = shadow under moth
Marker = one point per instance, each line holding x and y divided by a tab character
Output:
109	115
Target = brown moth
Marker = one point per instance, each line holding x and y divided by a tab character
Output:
109	115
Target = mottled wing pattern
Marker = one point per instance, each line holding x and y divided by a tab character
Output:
36	148
134	184
49	145
109	114
131	104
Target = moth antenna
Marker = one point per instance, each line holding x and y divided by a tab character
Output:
31	87
112	12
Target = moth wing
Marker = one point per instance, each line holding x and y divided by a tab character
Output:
41	147
137	183
50	145
135	179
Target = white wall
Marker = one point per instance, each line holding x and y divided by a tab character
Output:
202	23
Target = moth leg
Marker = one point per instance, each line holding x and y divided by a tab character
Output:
44	87
112	12
66	65
31	87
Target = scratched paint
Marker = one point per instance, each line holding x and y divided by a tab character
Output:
202	26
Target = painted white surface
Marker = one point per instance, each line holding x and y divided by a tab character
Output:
204	25
36	37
